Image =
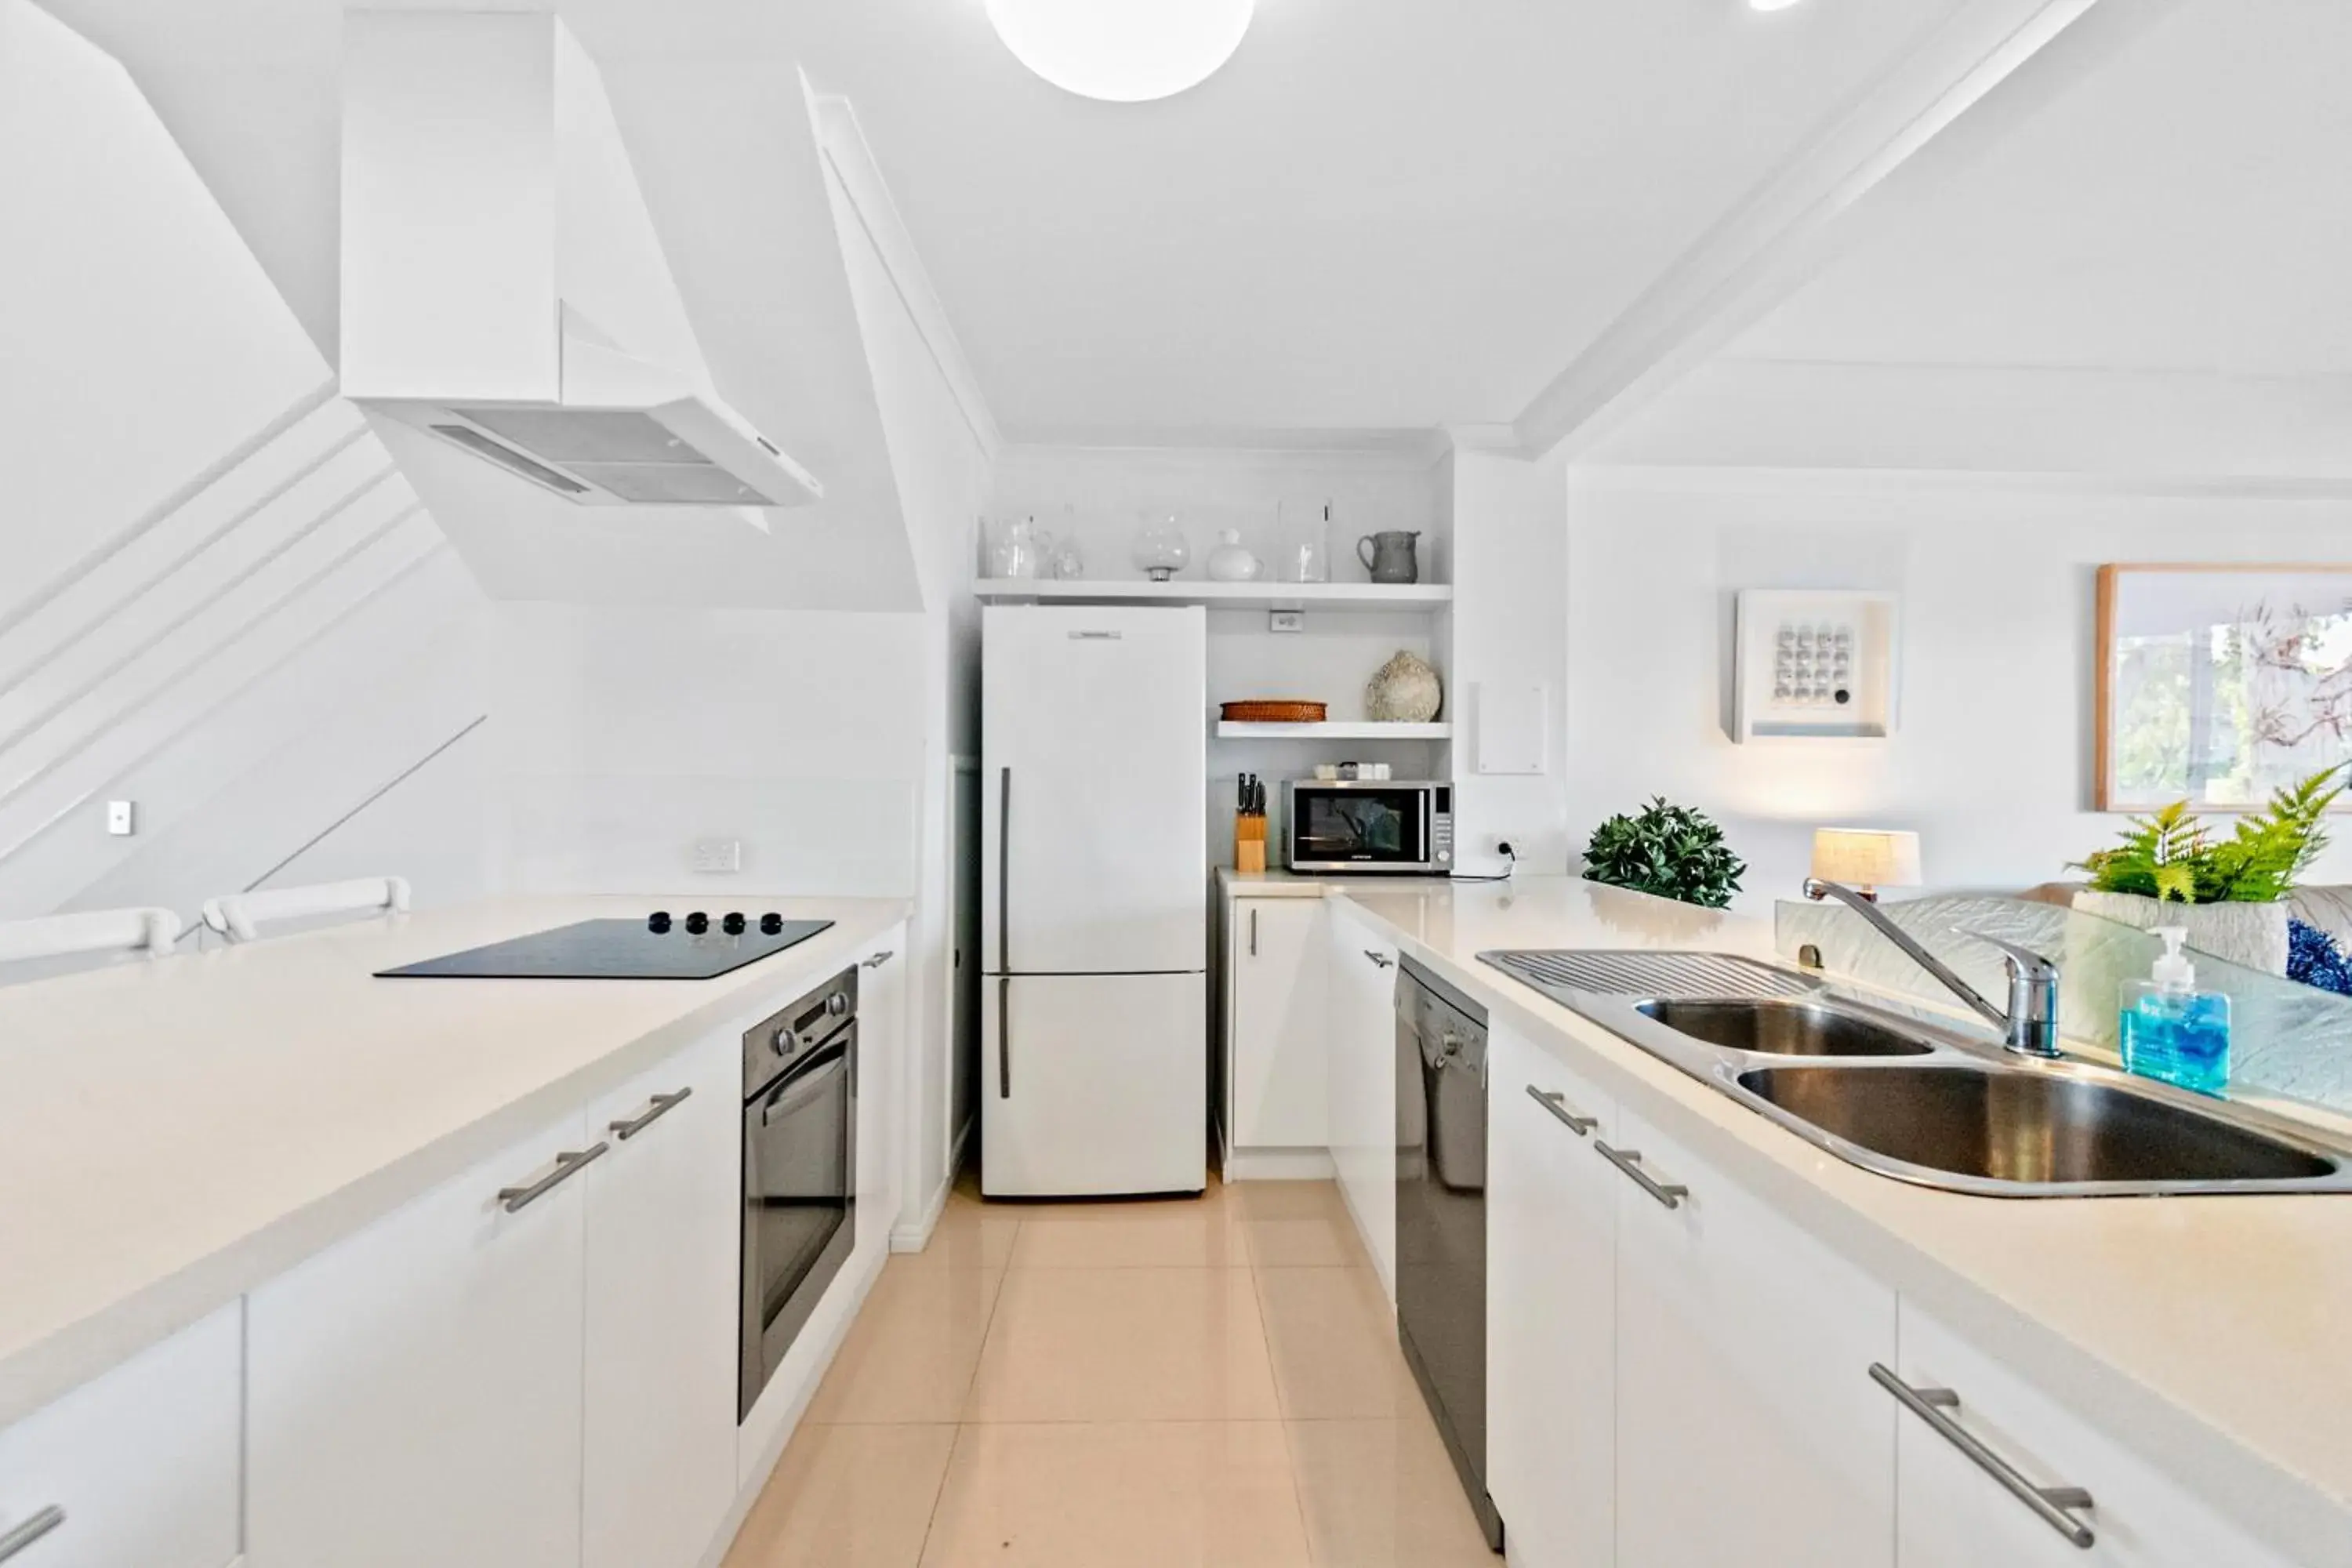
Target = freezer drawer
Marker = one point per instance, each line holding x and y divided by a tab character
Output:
1094	1084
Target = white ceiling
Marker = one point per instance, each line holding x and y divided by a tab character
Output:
2186	209
1383	214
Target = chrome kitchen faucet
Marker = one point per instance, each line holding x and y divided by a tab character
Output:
2029	1024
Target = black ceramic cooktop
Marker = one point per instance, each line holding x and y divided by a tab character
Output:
696	946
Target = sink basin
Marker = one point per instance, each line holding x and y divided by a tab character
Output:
1782	1029
2014	1128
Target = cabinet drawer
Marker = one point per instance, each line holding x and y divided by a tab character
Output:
1955	1510
143	1463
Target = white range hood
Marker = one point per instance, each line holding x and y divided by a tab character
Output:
503	286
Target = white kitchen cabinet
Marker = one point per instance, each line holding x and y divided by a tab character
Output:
1551	1310
415	1390
664	1221
1954	1513
1362	1045
1747	1428
138	1469
885	1055
1276	1077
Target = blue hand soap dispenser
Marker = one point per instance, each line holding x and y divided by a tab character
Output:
2171	1030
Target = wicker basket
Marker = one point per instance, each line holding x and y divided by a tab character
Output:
1273	711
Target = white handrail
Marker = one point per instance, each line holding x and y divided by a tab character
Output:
148	931
238	916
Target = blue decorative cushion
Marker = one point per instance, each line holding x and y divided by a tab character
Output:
2313	957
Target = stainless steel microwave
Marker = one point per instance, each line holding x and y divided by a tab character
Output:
1368	825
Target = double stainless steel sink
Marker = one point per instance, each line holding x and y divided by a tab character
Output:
1935	1107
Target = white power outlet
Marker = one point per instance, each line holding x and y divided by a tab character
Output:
119	821
719	855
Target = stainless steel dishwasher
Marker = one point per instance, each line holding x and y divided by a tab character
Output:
1441	1217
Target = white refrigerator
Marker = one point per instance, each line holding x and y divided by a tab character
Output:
1094	904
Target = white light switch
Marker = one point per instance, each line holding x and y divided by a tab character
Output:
119	818
719	855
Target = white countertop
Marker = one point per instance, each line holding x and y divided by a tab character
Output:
1274	884
173	1133
2214	1335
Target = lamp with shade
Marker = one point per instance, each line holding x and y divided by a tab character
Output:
1866	858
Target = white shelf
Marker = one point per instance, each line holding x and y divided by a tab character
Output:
1339	730
1221	595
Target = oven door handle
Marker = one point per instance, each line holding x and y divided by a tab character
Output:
800	1084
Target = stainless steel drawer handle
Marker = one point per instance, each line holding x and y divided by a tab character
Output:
2054	1505
881	958
567	1165
1381	959
29	1531
662	1105
1556	1103
1629	1162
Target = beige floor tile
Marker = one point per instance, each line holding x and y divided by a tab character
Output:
1124	1344
1329	1241
847	1496
1191	1235
1333	1342
968	1235
910	1354
1216	1199
1289	1200
1383	1494
1214	1494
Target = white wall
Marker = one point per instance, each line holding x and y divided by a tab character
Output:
938	436
1992	763
218	599
143	339
1097	496
1506	631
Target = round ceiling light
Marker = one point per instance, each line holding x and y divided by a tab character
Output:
1122	51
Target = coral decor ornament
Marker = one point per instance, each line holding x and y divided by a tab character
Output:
1405	691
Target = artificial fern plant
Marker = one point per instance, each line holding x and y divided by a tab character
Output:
2170	856
1669	850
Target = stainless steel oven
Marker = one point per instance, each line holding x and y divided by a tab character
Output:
1368	825
799	1170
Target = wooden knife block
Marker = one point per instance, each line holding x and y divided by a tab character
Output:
1249	843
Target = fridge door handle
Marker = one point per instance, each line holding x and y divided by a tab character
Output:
1005	1037
1004	871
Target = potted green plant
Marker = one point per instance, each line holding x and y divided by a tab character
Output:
1670	851
2229	892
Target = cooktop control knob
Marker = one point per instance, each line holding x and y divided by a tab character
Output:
698	923
732	925
772	925
659	921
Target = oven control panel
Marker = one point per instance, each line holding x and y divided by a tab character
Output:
775	1041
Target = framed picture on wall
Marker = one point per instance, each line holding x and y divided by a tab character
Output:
2220	684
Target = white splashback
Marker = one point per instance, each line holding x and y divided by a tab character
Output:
626	734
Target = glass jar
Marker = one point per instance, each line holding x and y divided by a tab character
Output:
1161	548
1014	552
1303	541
